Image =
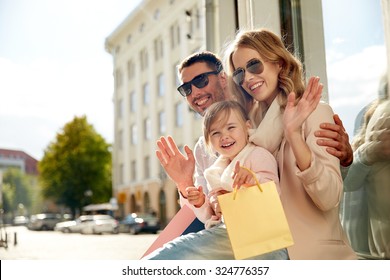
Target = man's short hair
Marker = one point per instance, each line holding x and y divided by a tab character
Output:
205	56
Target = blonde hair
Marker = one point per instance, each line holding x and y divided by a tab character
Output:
272	49
383	95
220	111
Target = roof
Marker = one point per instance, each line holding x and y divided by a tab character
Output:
101	206
29	162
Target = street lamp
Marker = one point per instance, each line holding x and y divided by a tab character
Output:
88	194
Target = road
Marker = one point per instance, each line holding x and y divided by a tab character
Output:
51	245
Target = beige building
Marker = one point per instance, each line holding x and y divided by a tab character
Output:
146	49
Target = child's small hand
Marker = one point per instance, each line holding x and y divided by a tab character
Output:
214	202
242	177
195	196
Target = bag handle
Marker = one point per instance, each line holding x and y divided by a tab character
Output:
254	177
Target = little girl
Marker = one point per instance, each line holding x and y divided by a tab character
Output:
226	131
226	127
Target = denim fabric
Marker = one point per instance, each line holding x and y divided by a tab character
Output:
208	244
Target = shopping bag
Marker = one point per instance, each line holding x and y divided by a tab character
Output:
255	220
183	222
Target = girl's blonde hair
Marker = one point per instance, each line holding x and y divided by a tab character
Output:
220	111
271	49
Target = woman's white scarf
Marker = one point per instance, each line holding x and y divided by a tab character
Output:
269	133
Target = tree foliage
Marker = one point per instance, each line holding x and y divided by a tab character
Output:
76	168
16	190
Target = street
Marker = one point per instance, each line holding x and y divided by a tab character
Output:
52	245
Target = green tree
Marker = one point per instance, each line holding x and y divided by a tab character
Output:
16	190
76	168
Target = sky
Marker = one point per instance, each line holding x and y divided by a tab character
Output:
355	55
53	65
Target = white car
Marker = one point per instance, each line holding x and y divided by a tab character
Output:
20	221
100	224
73	226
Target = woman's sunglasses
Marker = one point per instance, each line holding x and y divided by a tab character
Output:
253	66
199	81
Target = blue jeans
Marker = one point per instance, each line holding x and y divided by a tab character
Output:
207	244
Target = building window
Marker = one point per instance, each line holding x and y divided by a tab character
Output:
172	36
291	26
175	35
178	34
146	94
134	135
176	81
119	109
156	14
130	69
118	78
141	27
158	48
162	123
147	205
160	84
198	21
147	167
133	103
148	129
179	114
120	140
133	170
121	174
143	59
128	40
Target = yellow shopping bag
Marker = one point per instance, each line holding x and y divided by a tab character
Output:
255	220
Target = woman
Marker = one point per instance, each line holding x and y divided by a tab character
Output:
366	208
268	81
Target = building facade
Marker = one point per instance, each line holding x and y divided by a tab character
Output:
18	159
146	49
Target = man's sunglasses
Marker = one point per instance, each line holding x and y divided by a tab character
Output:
253	66
199	81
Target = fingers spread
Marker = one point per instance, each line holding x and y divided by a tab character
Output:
161	158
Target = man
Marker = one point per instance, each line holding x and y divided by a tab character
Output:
205	82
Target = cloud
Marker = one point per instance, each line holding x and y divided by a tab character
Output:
40	97
353	81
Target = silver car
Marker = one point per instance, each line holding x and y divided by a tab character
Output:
74	225
100	224
43	221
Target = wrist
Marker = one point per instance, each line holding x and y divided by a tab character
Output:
183	185
292	136
201	202
347	162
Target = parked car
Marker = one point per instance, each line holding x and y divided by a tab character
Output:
140	222
74	225
100	224
44	221
20	221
